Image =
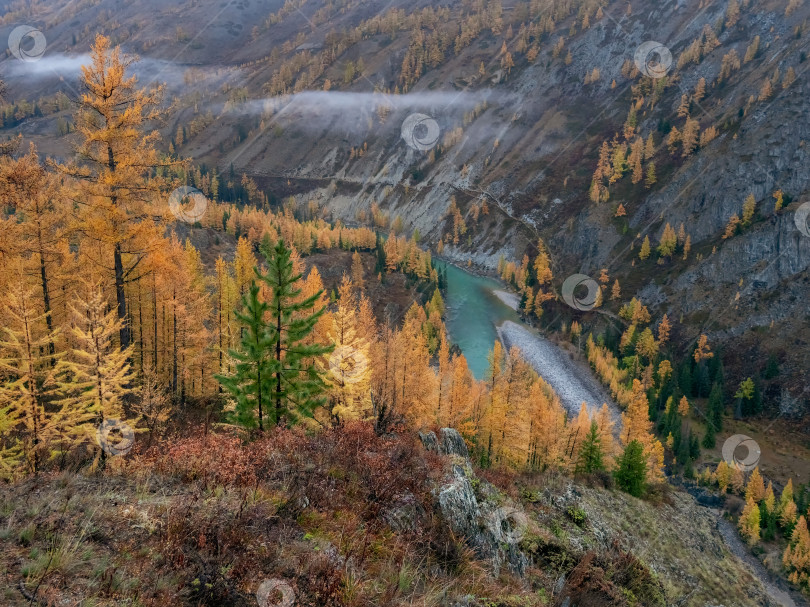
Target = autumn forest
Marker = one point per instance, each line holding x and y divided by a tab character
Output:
233	357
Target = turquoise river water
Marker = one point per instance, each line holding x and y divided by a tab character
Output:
473	312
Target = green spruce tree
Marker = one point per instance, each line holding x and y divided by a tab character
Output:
591	458
631	469
275	372
297	383
709	440
249	384
716	406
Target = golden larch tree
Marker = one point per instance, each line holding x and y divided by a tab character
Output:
755	488
100	371
114	163
749	522
796	557
30	386
349	367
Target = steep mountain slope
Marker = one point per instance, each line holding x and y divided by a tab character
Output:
309	99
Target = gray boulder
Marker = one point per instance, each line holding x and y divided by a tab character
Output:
459	505
429	441
480	524
452	443
486	526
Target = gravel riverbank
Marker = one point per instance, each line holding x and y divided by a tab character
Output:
510	299
572	380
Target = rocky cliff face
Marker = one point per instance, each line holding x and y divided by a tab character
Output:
473	510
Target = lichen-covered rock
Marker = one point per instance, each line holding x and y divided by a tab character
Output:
452	443
480	524
474	509
458	504
429	441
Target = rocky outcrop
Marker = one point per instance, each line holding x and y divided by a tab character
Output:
452	443
449	443
475	510
429	441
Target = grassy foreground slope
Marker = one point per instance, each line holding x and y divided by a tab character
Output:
346	518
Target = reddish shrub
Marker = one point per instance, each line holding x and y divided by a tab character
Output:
213	459
346	467
339	468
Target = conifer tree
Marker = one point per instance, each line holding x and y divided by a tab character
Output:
749	522
636	425
547	436
749	208
651	178
278	359
787	516
631	469
786	510
689	137
668	242
796	557
117	158
349	366
636	154
732	13
590	453
723	474
700	89
297	387
731	227
709	440
461	396
607	442
767	513
737	479
755	489
703	350
100	372
357	271
29	384
716	407
770	499
644	252
38	200
9	446
249	384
